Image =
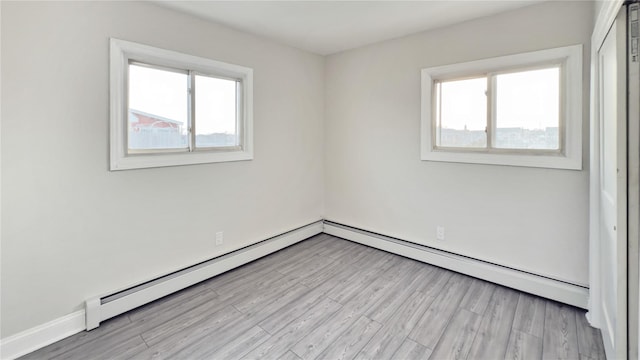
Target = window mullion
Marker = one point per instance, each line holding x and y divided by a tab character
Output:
191	104
439	118
239	115
491	107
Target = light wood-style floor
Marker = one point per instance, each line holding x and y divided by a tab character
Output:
328	298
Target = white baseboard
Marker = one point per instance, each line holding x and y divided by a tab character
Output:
40	336
535	284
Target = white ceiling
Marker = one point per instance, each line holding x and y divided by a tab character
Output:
327	27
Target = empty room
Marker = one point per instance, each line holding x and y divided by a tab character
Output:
319	179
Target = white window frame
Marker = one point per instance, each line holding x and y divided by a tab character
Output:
570	131
121	53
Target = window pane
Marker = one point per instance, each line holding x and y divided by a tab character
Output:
528	109
462	113
157	109
215	122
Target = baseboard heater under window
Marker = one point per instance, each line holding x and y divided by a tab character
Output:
105	307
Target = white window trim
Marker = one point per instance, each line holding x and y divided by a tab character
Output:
120	53
571	156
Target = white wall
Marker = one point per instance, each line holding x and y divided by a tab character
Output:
70	228
531	219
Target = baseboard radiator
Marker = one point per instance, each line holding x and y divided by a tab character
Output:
558	290
104	307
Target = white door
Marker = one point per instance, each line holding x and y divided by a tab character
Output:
613	188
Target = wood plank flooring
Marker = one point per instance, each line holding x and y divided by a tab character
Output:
328	298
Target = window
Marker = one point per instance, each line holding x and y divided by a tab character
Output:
169	108
520	110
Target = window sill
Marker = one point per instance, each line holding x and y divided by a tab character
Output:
176	159
525	160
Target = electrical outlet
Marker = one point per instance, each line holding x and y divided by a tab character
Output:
440	232
219	238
